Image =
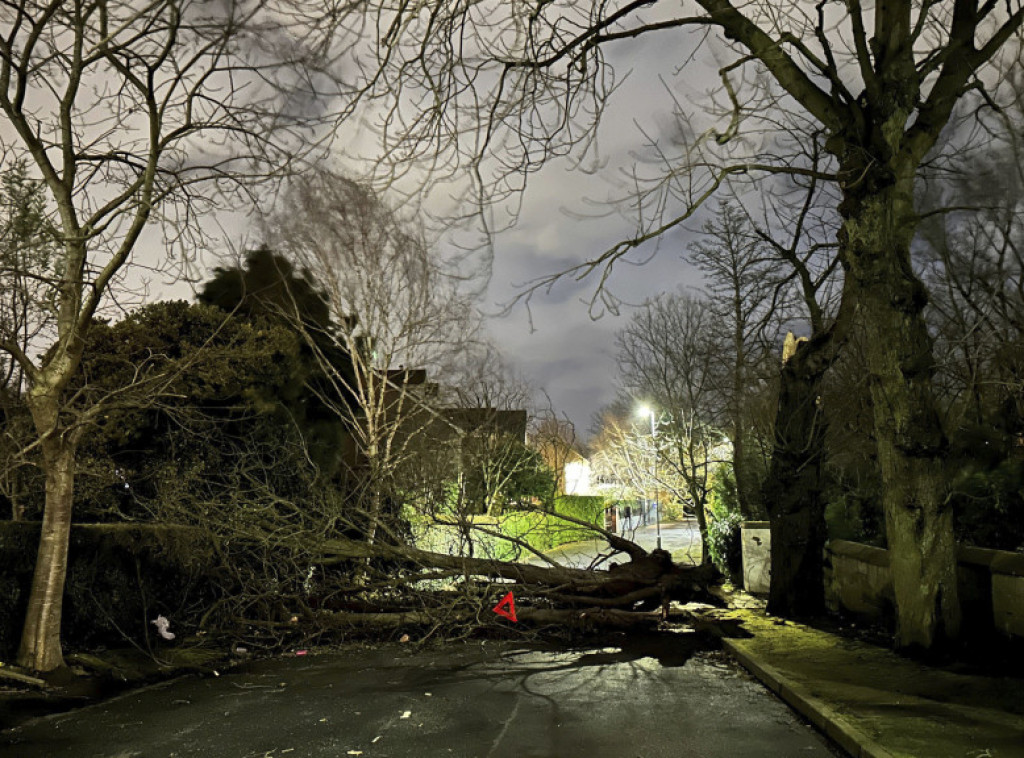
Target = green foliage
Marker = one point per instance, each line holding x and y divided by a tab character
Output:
589	508
267	287
531	480
546	531
268	292
27	238
541	530
724	520
501	471
195	403
119	578
672	509
28	269
851	515
988	491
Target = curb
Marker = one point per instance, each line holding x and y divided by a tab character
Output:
851	738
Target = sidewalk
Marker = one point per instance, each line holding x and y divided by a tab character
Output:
877	704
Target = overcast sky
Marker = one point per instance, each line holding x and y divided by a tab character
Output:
569	354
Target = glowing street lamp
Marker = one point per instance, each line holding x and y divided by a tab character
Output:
646	410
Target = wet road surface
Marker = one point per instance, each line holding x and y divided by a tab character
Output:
644	696
680	538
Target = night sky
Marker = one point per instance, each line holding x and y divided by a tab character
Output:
564	220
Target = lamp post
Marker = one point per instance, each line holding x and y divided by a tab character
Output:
648	411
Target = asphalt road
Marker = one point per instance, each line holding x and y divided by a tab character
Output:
680	538
645	696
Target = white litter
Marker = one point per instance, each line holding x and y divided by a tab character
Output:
161	623
406	715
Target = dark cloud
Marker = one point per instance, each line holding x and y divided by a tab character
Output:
568	217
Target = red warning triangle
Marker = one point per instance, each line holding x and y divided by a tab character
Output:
507	607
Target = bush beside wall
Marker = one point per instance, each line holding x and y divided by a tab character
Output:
120	577
546	531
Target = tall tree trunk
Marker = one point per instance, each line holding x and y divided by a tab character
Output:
793	490
702	527
751	506
40	647
877	229
696	478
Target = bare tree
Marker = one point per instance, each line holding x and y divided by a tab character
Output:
970	252
762	274
620	460
797	224
746	292
392	301
131	114
397	314
670	355
533	80
488	408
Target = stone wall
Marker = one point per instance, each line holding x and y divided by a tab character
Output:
991	586
858	579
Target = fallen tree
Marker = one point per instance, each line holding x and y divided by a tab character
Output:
399	587
644	576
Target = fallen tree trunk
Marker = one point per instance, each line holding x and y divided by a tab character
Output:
631	595
339	550
644	573
387	585
591	618
17	676
580	619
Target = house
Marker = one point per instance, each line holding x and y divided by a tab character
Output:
577	476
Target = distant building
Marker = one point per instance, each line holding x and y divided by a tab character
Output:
577	478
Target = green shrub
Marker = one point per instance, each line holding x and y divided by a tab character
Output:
545	531
589	508
674	510
119	578
988	504
850	516
724	523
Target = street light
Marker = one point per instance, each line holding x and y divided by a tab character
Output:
647	410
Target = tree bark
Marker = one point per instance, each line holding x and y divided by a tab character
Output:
644	571
793	490
877	229
751	506
40	647
580	619
700	512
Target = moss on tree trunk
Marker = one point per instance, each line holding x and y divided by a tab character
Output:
878	226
